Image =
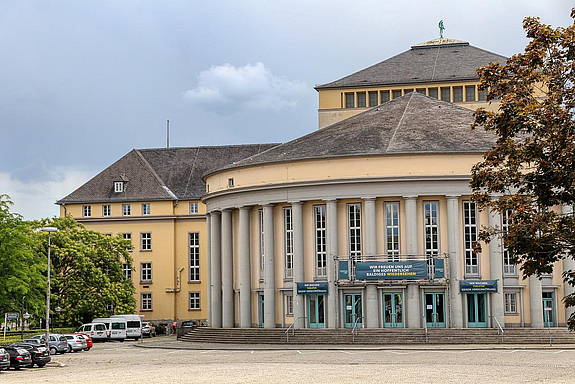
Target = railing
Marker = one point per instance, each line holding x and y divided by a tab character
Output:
354	329
292	328
500	328
425	326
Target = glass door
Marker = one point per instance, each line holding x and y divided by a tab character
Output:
392	310
260	310
435	309
315	310
548	309
352	303
476	310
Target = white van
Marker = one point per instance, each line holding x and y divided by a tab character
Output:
97	331
116	326
134	325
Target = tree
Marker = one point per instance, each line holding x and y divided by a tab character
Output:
532	166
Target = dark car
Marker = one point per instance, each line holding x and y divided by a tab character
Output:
40	355
4	359
19	357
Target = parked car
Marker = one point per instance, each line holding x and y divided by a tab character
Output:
4	359
40	355
117	327
57	343
89	341
148	329
97	331
19	357
133	324
76	342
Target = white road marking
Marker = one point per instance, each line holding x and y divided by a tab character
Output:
298	352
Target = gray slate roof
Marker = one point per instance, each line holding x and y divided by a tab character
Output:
421	64
410	124
161	174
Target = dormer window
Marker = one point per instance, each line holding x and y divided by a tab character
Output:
118	186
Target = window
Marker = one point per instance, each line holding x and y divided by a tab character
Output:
396	93
193	207
106	210
118	186
431	230
86	210
349	102
288	242
361	99
194	300
127	270
511	303
231	182
470	93
128	237
289	305
421	91
432	92
445	94
146	209
194	256
509	268
469	237
146	272
392	231
126	210
482	95
146	301
262	238
373	99
354	220
146	241
384	96
320	240
457	94
406	91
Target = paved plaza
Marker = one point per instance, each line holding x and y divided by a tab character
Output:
162	361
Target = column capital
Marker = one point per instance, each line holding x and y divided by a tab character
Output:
452	197
369	198
331	201
245	207
268	205
410	197
296	202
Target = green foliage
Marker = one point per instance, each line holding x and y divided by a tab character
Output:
532	165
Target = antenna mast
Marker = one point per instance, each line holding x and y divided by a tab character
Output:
168	134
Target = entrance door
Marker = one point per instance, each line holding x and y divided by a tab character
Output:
435	309
261	310
548	309
393	310
476	310
315	311
352	309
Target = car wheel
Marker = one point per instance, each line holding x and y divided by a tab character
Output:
86	349
53	351
69	349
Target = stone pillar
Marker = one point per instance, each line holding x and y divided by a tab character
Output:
216	269
536	302
269	269
496	270
413	296
453	247
568	265
227	271
209	269
371	303
245	270
298	266
332	253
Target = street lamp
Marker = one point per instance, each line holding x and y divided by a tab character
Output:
49	230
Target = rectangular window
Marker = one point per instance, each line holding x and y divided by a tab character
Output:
106	210
262	239
288	242
127	270
373	98
421	91
392	231
126	210
509	268
118	186
354	220
406	91
445	94
128	237
86	210
469	237
231	182
431	230
457	94
146	209
146	301
511	303
289	305
146	272
194	256
320	240
482	95
384	96
432	92
349	100
194	300
146	241
396	93
470	93
193	207
361	99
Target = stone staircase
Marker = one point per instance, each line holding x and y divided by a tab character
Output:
380	336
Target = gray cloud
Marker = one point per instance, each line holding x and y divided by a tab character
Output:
36	172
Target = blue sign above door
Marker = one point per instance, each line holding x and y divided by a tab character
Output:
315	288
478	285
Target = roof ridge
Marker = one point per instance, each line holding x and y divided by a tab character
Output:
191	172
146	164
201	146
399	122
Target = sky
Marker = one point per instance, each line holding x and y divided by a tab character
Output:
84	82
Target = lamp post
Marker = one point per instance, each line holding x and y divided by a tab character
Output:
22	317
49	230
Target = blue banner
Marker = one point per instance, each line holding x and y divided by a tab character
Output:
343	270
478	285
439	269
315	288
406	270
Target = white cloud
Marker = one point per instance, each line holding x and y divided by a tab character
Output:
225	88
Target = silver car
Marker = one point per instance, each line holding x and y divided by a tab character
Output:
58	343
76	342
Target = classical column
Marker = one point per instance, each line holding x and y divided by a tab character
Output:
209	269
371	302
413	300
227	271
568	265
269	269
215	232
298	268
453	247
245	275
535	302
332	253
496	270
